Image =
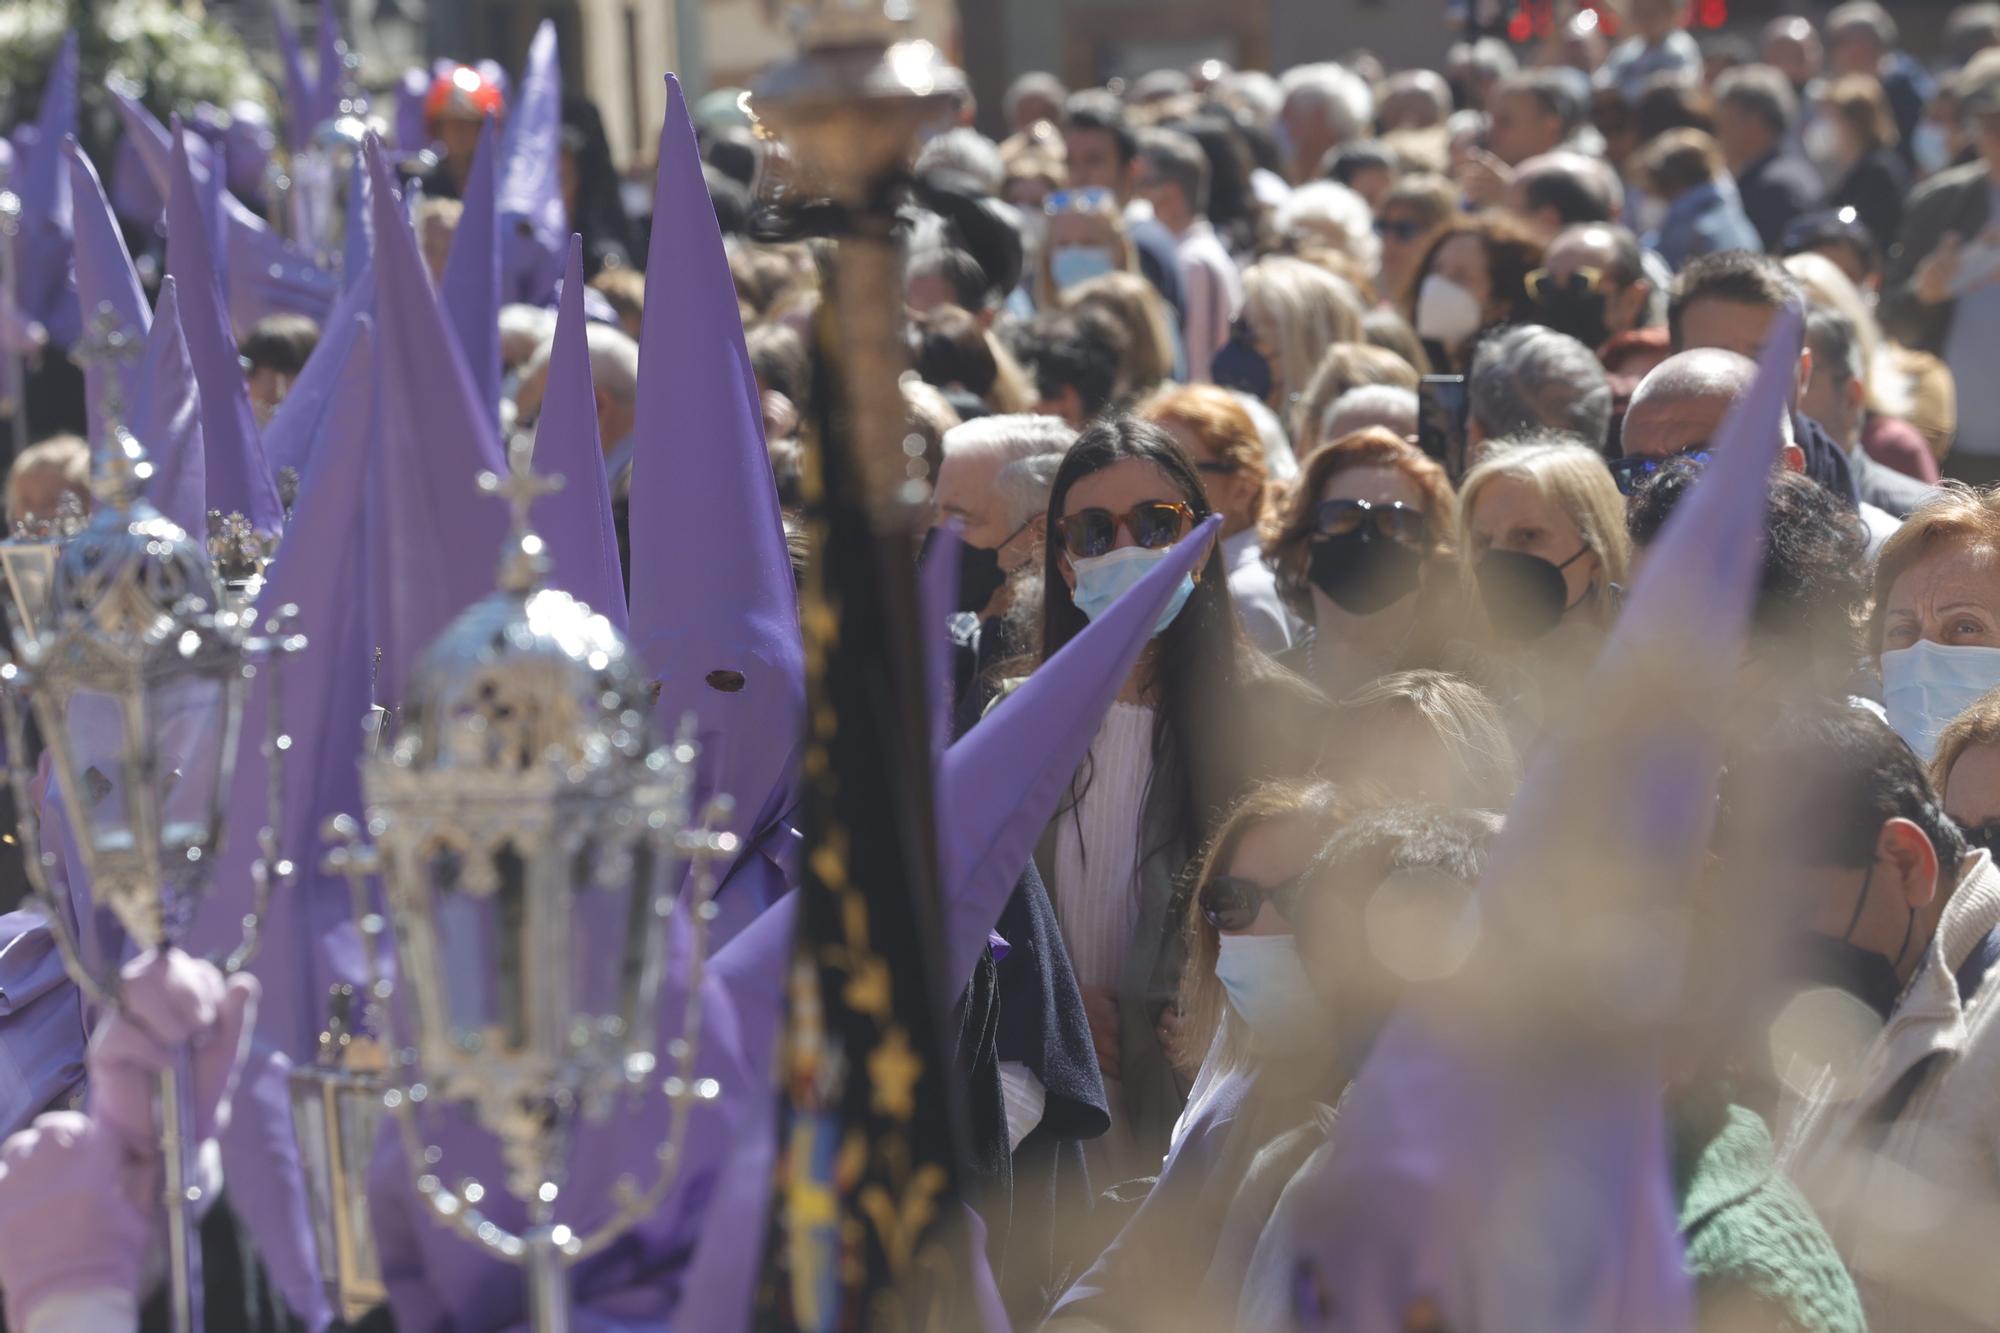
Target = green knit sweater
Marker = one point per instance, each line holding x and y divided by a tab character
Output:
1759	1257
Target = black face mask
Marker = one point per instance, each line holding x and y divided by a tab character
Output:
1581	315
1363	572
979	577
1239	365
979	572
1845	965
1825	961
1525	595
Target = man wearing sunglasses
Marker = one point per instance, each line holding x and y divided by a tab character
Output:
1592	284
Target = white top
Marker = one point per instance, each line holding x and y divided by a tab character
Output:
1096	884
1253	588
1212	292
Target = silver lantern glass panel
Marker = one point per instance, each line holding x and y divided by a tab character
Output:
137	686
532	833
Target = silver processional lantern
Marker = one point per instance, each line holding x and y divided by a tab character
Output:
134	670
529	829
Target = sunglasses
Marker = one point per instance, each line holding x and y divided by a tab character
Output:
1154	524
1086	199
1402	230
1542	284
1341	518
1633	471
1231	903
1213	468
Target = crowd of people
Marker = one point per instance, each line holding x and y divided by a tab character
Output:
1441	352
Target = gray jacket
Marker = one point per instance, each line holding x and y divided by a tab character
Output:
1886	488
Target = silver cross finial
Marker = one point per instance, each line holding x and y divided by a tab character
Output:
526	559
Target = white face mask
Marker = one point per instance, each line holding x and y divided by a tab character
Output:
1823	143
1446	312
1268	988
1928	684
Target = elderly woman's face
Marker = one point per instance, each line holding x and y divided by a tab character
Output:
1950	596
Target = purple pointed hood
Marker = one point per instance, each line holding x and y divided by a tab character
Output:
302	421
104	274
263	274
433	541
470	289
41	249
1437	1126
330	79
309	941
239	480
576	521
298	86
534	228
724	646
165	413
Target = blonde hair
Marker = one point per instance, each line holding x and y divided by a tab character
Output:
1345	366
1133	304
1955	515
1574	478
1308	308
65	455
1977	725
1464	719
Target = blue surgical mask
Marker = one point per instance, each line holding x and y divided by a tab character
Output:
1103	579
1928	684
1071	264
1268	988
1931	146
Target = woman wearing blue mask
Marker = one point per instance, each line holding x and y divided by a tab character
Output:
1936	627
1246	1000
1202	716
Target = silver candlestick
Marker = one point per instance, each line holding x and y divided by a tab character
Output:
525	824
134	671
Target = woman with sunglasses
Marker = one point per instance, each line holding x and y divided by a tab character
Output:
1542	529
1203	715
1247	1003
1362	555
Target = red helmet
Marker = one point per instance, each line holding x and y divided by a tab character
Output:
462	93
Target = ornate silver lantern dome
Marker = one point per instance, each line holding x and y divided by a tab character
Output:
528	825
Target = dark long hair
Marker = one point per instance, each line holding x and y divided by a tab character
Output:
1196	665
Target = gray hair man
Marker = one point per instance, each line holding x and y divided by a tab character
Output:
1531	376
996	501
1326	105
